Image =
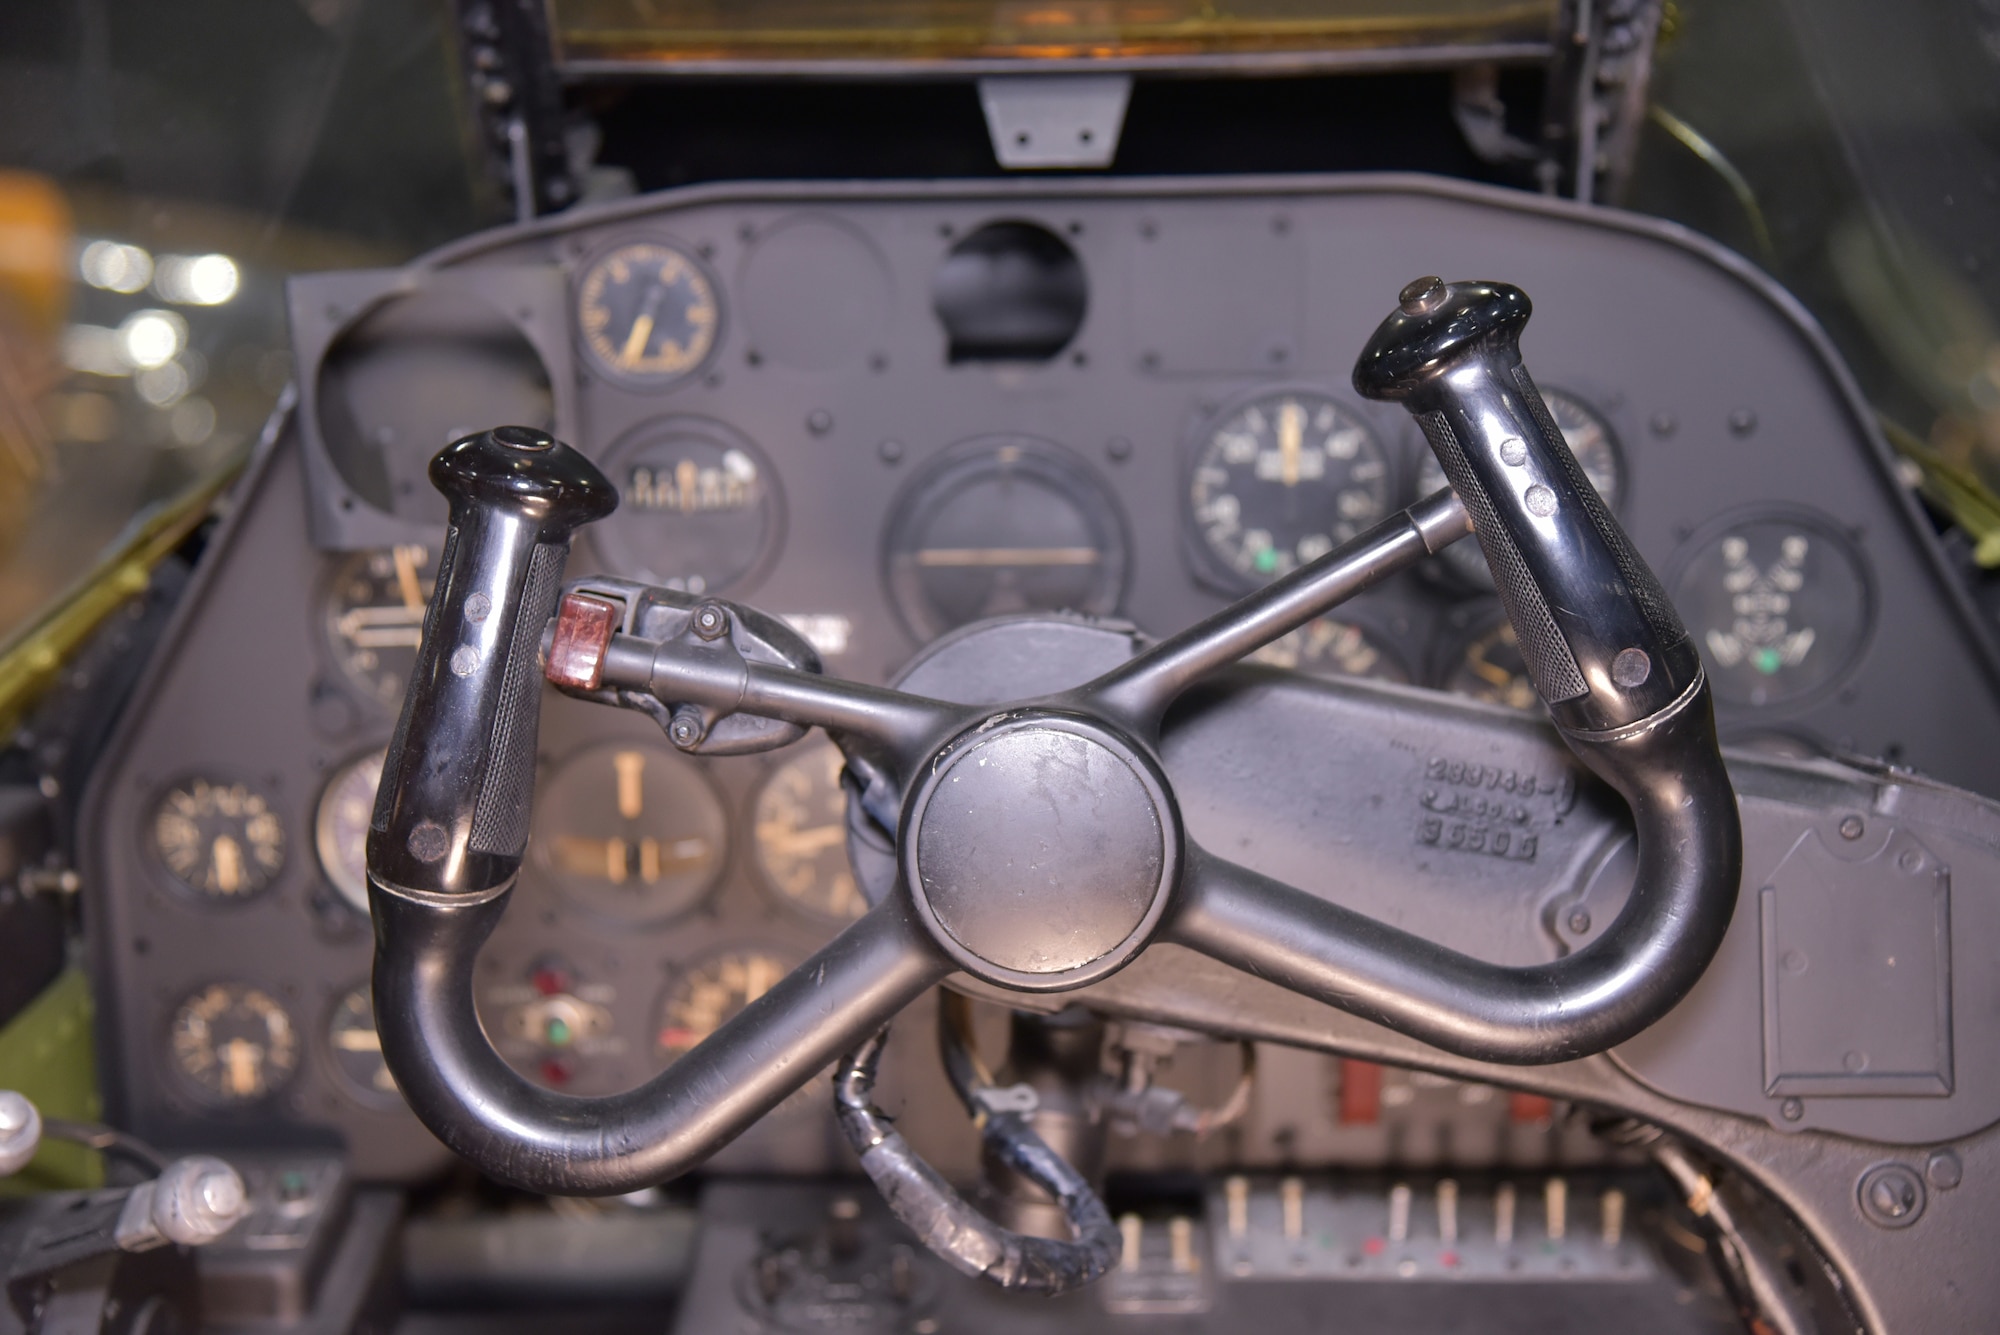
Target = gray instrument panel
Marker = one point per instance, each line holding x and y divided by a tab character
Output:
801	438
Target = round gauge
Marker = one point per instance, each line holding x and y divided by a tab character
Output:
1590	440
357	1049
1002	524
1282	479
801	828
340	827
1487	665
218	840
647	313
698	507
1779	603
231	1043
631	831
711	993
1327	647
374	619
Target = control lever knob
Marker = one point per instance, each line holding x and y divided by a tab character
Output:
1602	642
451	815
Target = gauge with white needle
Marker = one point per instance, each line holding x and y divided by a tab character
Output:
631	832
1278	480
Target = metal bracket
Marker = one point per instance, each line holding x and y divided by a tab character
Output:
1056	120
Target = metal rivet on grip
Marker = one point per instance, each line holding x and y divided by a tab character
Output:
464	660
1631	668
428	842
477	608
1513	451
1540	501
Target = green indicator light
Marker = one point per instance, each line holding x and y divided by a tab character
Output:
559	1034
1267	561
1768	661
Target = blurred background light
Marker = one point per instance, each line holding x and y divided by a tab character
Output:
115	267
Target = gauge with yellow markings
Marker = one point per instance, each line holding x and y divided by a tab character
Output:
1328	647
231	1043
1279	480
646	313
373	620
218	839
357	1050
801	831
709	994
1485	663
631	832
340	827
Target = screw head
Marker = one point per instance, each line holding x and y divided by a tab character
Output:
1579	922
1791	1110
1944	1170
1851	827
1891	1195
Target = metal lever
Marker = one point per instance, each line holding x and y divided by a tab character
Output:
451	816
1602	642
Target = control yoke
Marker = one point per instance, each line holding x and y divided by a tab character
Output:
967	789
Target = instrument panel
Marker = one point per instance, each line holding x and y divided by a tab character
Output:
817	400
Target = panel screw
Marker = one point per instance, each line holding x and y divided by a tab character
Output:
1891	1195
1851	827
1579	922
1664	424
1118	449
686	730
710	621
819	421
1944	1170
890	452
1791	1110
1743	421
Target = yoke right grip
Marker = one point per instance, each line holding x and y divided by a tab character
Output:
1602	643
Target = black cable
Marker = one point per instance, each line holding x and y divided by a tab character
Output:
967	1240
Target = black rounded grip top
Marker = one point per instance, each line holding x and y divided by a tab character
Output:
451	815
1603	644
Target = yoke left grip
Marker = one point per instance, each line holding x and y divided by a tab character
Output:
451	814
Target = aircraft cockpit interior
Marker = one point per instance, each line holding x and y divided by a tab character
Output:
975	666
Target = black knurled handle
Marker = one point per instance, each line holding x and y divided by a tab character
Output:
451	815
1602	642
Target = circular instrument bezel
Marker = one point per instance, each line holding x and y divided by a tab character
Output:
682	970
354	896
1210	567
615	551
219	777
367	1096
1837	535
965	463
593	262
583	906
191	1087
783	761
328	594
